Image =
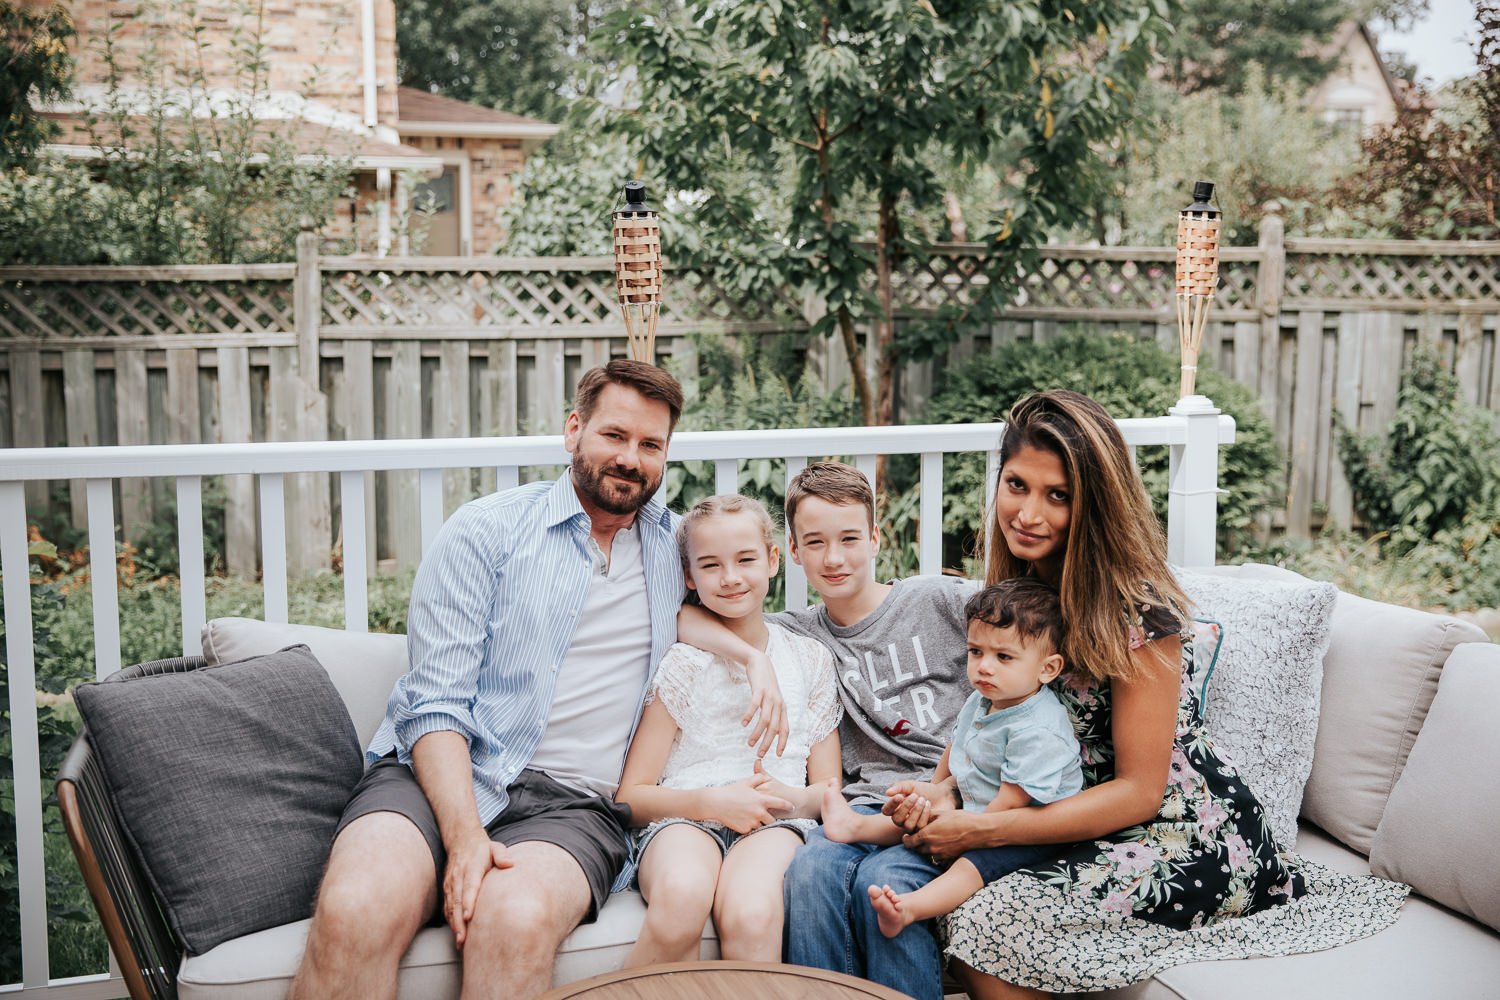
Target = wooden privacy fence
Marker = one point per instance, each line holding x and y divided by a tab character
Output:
374	348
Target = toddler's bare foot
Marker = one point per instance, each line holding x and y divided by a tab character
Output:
839	821
889	913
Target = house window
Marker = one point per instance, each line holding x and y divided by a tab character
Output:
435	195
1351	119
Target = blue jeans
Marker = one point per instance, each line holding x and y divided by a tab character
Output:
830	923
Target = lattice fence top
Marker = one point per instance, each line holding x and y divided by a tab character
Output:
103	308
1100	282
449	296
1392	277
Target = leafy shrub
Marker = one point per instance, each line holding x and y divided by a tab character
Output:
1435	465
1130	378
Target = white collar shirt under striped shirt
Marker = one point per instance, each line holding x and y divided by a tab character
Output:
489	626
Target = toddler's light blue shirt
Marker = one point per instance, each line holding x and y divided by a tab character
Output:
1030	744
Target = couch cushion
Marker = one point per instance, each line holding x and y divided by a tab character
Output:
1430	952
260	966
229	781
1262	703
1437	833
364	666
1379	677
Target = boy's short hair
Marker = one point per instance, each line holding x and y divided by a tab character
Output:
1028	604
646	379
835	482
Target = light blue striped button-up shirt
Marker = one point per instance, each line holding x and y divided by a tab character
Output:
489	626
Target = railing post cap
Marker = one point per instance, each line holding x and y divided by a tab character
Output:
306	224
1273	207
1192	406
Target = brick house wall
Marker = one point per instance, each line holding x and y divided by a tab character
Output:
313	47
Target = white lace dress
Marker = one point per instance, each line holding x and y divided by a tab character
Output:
707	695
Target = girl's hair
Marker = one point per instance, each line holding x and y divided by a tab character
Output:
724	503
1114	558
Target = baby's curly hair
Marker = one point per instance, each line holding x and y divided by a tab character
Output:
1029	604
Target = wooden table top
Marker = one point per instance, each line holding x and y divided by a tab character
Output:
723	981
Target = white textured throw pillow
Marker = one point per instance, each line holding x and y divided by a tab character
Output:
1263	698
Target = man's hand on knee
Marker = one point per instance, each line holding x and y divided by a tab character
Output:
469	860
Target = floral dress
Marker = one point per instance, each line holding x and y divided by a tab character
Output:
1109	912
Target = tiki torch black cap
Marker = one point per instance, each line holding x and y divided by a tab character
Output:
1202	191
635	199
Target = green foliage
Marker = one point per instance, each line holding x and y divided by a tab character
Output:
1456	570
847	106
34	54
185	172
1436	464
1130	378
55	213
1435	172
563	198
1216	40
521	56
1262	144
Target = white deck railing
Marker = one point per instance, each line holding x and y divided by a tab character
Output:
1193	433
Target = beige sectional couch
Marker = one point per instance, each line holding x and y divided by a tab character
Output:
1403	784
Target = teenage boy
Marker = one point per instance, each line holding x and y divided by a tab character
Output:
902	651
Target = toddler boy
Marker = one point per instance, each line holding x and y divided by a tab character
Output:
1013	745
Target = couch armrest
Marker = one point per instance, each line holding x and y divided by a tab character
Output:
137	931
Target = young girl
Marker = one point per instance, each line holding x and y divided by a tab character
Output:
720	824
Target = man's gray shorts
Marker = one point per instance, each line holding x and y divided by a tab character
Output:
589	828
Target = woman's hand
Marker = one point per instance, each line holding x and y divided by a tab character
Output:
746	804
951	833
766	708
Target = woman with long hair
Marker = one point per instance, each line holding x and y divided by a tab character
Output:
1165	839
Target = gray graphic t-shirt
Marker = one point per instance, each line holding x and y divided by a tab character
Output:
902	678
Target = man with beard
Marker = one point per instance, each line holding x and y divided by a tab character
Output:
536	621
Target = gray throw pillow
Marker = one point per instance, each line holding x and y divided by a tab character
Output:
1261	708
229	781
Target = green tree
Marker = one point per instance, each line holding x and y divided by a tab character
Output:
563	196
34	59
1261	144
521	56
841	106
1435	172
1216	40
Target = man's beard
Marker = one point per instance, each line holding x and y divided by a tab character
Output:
609	496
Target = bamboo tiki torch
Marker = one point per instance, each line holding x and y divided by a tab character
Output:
1197	276
637	230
